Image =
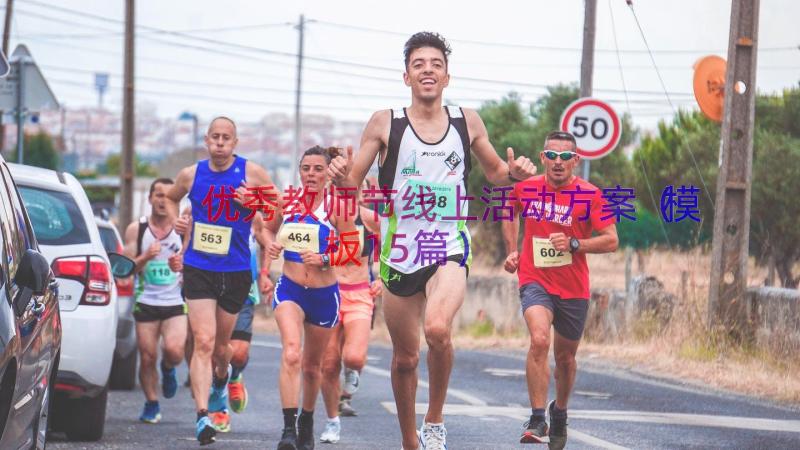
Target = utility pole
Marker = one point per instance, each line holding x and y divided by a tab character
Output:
298	126
732	210
6	37
587	60
128	124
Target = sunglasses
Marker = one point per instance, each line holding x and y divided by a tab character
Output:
552	155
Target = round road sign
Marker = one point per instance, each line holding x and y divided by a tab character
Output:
595	125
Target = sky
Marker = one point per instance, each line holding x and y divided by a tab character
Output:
238	57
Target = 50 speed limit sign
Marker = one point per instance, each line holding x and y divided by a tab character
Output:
595	125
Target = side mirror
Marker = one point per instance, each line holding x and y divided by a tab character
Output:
121	266
31	278
32	272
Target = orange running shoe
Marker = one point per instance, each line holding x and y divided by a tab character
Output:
237	394
221	420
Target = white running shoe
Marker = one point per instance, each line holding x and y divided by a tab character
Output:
351	379
433	436
331	432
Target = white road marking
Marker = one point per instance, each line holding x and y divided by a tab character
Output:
592	394
503	411
504	372
461	395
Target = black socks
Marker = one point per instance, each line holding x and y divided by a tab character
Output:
289	418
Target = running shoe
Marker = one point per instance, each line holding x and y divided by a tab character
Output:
237	394
558	429
346	409
169	381
351	379
534	431
218	400
221	420
288	439
151	413
305	434
331	432
206	434
433	436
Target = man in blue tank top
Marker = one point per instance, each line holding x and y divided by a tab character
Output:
216	272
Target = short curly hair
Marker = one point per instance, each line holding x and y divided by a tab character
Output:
426	39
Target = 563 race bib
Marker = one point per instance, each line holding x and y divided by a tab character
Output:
297	237
213	239
545	255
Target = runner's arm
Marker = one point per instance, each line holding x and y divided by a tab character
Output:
373	140
498	172
606	241
131	237
181	187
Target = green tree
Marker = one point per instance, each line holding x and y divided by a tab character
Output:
38	150
114	162
774	233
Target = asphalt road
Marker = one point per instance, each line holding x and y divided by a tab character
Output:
611	408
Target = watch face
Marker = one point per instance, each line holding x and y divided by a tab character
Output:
574	244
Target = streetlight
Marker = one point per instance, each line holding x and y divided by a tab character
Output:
186	115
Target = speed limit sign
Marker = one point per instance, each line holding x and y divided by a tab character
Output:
594	124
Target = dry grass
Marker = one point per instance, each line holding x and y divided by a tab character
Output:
682	350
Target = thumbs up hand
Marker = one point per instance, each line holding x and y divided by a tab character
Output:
520	168
340	167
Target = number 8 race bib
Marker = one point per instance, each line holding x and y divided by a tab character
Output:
211	238
545	255
297	237
440	199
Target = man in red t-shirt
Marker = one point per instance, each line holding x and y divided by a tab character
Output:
560	212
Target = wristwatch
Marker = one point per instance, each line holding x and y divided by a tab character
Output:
326	261
574	245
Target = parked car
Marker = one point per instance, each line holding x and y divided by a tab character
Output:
30	326
68	237
123	367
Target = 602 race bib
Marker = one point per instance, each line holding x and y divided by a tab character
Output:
213	239
545	255
297	237
437	198
158	273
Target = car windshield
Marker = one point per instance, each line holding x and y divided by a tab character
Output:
109	239
55	216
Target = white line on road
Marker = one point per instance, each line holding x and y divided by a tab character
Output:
502	411
461	395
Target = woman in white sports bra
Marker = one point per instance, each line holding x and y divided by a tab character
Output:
306	299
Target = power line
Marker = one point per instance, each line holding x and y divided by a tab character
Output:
674	110
317	59
538	47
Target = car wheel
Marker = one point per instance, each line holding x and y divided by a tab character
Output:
40	427
87	417
123	373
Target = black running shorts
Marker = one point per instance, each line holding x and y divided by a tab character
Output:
229	289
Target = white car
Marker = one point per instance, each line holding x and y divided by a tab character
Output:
123	369
68	237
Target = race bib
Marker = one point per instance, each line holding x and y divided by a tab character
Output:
439	199
158	273
213	239
545	255
297	237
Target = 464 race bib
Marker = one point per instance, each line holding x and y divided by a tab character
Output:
297	237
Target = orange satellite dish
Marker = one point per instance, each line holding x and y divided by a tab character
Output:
709	86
